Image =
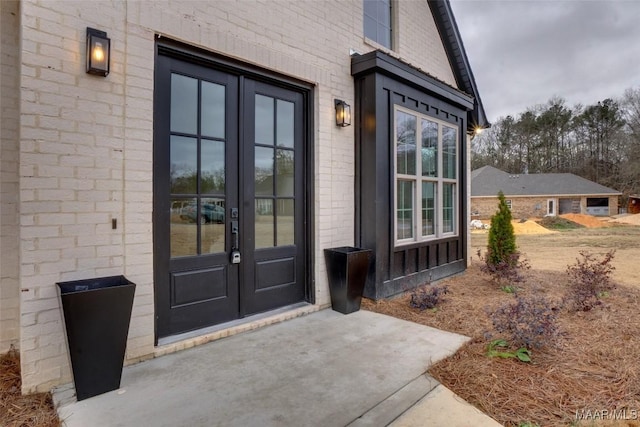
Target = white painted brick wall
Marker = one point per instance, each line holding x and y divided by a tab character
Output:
87	142
9	159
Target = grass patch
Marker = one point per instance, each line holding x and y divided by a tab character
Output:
559	224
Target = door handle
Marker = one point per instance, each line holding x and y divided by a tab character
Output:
235	249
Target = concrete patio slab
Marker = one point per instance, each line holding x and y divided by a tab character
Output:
323	369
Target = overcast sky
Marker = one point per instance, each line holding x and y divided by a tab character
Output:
522	53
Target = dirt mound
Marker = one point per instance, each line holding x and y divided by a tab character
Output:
586	220
628	219
530	227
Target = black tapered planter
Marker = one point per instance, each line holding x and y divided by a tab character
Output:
347	268
97	313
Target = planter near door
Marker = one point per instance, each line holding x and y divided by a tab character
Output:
97	313
347	268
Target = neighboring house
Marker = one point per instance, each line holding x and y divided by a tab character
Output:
540	194
229	106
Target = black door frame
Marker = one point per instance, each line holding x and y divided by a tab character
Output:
195	55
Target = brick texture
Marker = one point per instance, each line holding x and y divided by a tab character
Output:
86	142
9	159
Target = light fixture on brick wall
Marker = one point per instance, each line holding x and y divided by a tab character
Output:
98	52
343	113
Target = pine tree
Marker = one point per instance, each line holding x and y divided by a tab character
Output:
502	239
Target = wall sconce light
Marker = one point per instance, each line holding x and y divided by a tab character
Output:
343	113
98	52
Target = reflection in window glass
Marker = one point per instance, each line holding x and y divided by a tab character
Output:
212	214
183	227
284	169
377	21
428	208
212	166
212	112
406	143
184	165
264	230
448	152
184	104
404	213
429	148
448	213
264	171
285	222
264	120
284	123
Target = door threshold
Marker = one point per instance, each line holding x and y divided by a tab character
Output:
190	339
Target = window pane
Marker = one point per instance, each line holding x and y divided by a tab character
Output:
284	168
284	123
370	27
406	143
184	104
448	152
183	165
264	120
264	171
429	148
264	223
384	13
212	166
285	222
428	208
404	214
448	208
212	220
212	120
184	228
384	36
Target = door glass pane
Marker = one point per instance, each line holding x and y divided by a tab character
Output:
284	169
264	171
284	123
184	228
404	214
448	152
448	208
429	148
264	120
406	143
212	111
184	165
428	208
212	166
285	222
264	223
212	220
184	104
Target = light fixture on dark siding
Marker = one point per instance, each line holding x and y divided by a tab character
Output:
343	113
98	52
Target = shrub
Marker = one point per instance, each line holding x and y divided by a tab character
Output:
427	297
505	273
502	239
529	322
589	280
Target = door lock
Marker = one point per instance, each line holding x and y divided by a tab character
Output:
235	252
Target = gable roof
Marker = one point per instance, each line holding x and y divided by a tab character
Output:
487	181
450	35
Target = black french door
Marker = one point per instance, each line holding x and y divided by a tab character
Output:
228	196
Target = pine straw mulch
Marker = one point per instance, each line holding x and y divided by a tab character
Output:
593	366
34	410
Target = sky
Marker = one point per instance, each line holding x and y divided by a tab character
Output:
523	53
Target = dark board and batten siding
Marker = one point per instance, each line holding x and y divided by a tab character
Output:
382	82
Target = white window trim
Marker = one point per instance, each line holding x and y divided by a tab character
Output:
418	179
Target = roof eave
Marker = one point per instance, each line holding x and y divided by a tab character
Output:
450	35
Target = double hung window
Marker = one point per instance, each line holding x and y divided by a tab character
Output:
426	178
377	21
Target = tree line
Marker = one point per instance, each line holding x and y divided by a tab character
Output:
599	142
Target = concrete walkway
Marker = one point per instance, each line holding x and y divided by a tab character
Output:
324	369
